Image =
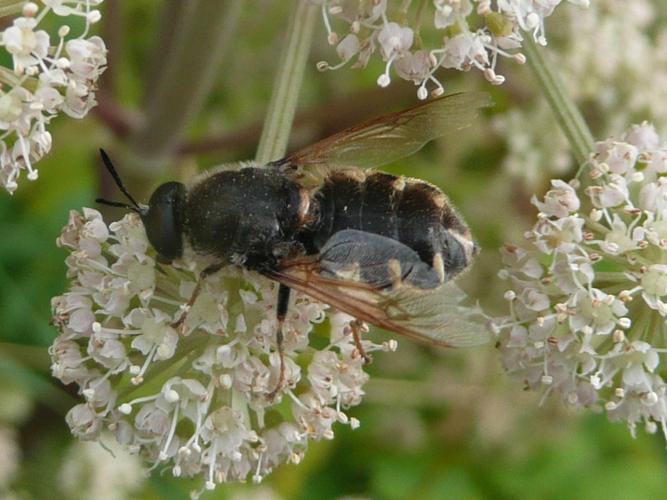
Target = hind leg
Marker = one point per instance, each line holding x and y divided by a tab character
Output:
281	312
359	327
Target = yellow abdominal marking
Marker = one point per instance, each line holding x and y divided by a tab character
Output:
395	271
350	273
440	200
439	266
355	173
399	184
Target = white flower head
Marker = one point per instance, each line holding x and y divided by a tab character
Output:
473	34
195	396
50	74
588	292
627	33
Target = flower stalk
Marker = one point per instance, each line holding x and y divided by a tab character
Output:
279	118
567	114
186	78
10	7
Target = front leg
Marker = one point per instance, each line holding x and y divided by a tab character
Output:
281	312
212	269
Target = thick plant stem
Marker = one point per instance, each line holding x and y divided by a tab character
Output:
171	19
10	7
564	109
202	37
280	115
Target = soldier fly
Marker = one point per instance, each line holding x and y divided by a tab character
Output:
380	247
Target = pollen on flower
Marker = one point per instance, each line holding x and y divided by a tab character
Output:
472	37
48	76
588	308
196	400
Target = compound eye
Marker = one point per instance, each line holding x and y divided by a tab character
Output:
164	220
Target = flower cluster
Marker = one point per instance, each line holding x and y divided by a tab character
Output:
588	292
472	34
197	397
605	87
48	76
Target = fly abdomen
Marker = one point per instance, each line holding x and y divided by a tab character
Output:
412	212
381	197
430	226
351	199
419	218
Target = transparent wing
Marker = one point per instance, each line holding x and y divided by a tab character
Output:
436	316
394	136
440	315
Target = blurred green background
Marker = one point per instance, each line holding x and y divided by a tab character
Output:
433	424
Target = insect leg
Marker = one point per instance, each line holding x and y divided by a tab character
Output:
180	322
357	328
281	312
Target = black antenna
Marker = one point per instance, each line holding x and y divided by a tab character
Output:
107	163
116	204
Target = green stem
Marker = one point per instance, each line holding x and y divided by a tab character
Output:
170	22
8	77
202	37
567	114
11	8
280	115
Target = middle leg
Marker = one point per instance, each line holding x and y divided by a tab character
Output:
358	327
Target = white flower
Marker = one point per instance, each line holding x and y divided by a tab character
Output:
464	51
87	57
194	397
394	40
90	471
653	196
644	136
26	45
46	79
594	310
414	66
10	455
13	105
473	34
448	12
559	201
560	235
348	47
74	8
588	293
